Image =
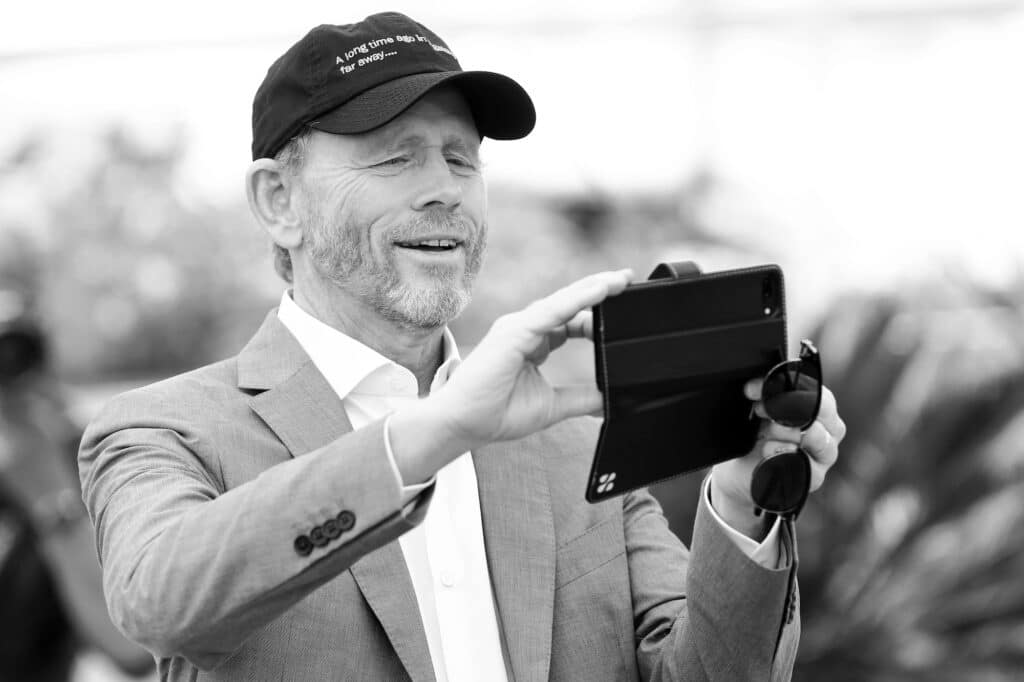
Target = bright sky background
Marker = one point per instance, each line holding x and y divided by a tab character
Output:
879	138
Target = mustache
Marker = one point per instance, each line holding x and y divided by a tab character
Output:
452	224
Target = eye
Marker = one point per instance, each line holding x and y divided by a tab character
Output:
461	162
393	162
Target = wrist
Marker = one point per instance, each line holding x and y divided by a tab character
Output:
423	440
738	513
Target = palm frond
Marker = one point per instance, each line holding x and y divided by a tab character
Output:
911	553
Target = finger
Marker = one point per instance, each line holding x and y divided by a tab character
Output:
828	414
557	337
773	448
818	472
785	434
540	353
820	445
543	315
581	326
576	401
752	389
758	409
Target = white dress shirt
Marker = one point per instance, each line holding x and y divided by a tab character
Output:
445	553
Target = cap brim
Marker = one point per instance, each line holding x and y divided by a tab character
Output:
501	108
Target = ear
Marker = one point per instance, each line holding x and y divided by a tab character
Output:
272	194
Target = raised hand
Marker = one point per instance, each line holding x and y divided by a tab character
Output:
498	392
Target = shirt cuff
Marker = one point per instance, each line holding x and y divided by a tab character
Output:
766	553
409	493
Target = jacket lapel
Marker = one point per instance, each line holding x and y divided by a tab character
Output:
383	578
519	535
302	409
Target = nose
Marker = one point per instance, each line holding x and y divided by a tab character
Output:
440	188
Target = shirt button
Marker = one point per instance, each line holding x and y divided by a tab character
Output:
448	577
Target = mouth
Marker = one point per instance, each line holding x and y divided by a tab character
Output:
431	245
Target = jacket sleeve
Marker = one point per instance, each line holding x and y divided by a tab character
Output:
711	613
192	570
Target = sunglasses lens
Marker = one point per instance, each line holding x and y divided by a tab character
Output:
792	393
780	484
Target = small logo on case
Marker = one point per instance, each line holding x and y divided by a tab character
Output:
606	482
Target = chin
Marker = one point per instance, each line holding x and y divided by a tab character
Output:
429	307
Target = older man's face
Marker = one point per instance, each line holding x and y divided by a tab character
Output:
396	216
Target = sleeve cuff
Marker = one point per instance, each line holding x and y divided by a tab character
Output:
767	553
408	493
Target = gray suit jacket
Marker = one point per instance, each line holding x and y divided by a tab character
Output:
248	533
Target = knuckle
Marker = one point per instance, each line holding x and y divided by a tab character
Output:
814	438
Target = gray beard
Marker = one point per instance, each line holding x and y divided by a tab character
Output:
337	254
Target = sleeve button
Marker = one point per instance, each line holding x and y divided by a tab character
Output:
331	529
303	545
346	520
318	537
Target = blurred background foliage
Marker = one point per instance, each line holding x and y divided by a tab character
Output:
131	277
911	558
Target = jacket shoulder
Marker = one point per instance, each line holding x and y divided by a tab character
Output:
192	393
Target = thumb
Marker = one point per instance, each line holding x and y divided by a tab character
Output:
576	401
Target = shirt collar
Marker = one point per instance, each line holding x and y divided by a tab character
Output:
352	367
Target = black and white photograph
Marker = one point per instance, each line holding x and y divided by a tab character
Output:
539	341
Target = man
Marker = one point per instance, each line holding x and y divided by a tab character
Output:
347	499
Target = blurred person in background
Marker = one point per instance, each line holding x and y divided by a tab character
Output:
51	593
348	499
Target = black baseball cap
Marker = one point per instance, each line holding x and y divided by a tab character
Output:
356	77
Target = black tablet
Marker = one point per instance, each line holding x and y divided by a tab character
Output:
672	355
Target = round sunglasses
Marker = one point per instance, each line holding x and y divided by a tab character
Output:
791	395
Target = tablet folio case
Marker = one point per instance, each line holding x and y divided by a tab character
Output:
672	355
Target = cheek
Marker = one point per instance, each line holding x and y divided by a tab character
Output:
348	209
474	200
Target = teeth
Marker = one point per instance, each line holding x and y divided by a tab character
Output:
436	243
